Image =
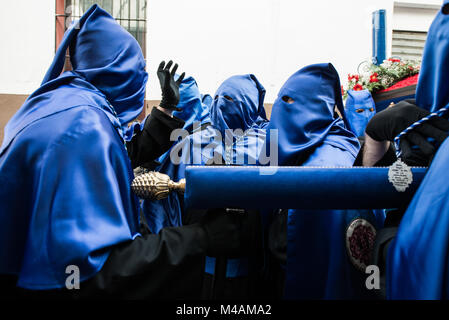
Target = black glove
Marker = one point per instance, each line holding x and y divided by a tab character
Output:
170	87
387	124
226	233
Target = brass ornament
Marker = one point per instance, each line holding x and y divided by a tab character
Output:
156	186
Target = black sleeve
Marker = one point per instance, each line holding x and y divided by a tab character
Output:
154	140
168	265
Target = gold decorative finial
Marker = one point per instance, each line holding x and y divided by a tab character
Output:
156	185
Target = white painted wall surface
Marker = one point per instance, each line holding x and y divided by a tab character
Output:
413	19
27	37
212	40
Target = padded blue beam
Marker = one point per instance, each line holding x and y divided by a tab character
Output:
295	187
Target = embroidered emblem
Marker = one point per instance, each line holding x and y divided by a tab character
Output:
400	175
360	236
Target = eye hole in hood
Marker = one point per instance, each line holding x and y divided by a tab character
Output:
238	103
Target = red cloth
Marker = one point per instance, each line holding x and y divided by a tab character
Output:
403	83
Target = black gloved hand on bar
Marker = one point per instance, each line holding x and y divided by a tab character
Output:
389	123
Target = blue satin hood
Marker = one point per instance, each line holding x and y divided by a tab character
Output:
105	58
63	157
306	122
207	100
363	102
238	104
193	108
432	92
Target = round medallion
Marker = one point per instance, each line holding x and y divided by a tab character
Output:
360	237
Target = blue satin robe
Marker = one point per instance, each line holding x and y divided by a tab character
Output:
417	264
66	197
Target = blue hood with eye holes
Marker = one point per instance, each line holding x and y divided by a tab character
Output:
305	123
360	108
238	104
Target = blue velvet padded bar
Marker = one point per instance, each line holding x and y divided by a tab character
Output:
295	187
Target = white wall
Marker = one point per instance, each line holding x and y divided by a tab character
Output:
214	39
27	37
412	18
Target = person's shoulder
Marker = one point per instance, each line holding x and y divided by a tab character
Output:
78	125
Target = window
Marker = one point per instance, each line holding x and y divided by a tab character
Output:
408	45
130	14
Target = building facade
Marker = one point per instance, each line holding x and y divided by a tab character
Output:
212	40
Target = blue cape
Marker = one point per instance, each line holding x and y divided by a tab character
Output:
417	264
360	108
63	159
309	133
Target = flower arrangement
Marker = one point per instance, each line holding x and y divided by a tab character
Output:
378	77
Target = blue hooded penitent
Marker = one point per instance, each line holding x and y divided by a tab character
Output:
166	213
360	108
309	133
63	159
207	145
193	111
238	104
417	265
193	108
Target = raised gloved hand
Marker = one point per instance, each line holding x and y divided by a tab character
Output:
389	123
169	87
226	233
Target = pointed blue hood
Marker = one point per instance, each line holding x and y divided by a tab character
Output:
193	109
238	104
360	108
432	92
106	60
304	122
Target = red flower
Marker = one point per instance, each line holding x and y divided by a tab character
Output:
353	77
394	60
358	87
373	77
